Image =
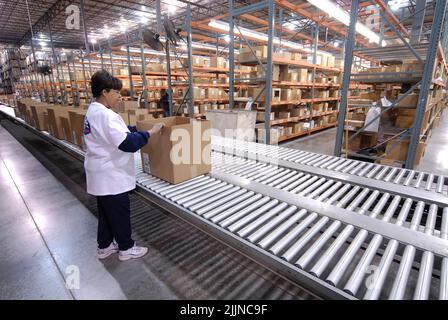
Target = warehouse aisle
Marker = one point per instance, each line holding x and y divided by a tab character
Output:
321	142
435	159
49	234
183	262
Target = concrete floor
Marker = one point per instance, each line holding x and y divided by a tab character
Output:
321	142
436	152
48	229
433	161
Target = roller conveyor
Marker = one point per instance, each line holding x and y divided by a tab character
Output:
340	228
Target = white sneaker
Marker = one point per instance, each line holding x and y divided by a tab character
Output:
132	253
104	253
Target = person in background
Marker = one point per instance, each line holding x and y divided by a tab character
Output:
164	103
110	168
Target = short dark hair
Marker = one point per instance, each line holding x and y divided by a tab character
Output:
103	80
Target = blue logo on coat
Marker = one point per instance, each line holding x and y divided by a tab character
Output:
86	126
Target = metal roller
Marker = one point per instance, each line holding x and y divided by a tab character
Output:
340	268
358	274
215	209
401	280
253	202
197	203
443	295
303	261
261	204
202	208
203	195
427	262
322	263
275	234
253	225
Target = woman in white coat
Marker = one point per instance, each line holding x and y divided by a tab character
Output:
110	168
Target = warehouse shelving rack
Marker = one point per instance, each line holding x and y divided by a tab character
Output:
427	52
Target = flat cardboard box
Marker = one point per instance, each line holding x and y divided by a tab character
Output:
76	119
180	152
66	129
37	114
55	115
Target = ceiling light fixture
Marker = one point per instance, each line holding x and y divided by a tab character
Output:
343	16
257	35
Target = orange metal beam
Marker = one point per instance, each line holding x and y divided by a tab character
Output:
392	17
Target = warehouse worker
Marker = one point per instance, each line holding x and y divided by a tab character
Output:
110	168
164	103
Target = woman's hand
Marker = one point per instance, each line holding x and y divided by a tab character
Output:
156	128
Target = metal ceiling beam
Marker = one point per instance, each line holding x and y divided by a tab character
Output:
306	14
56	9
392	17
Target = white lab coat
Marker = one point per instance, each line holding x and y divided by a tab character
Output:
109	170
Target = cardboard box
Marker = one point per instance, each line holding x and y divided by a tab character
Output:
55	116
283	115
275	133
125	117
296	56
410	100
76	119
198	93
181	152
398	150
260	116
287	131
288	94
124	106
255	92
66	129
37	113
303	75
217	62
297	127
275	72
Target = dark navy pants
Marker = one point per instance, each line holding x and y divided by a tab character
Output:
114	221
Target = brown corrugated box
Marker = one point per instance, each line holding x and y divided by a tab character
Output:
37	114
55	115
398	150
76	119
158	156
